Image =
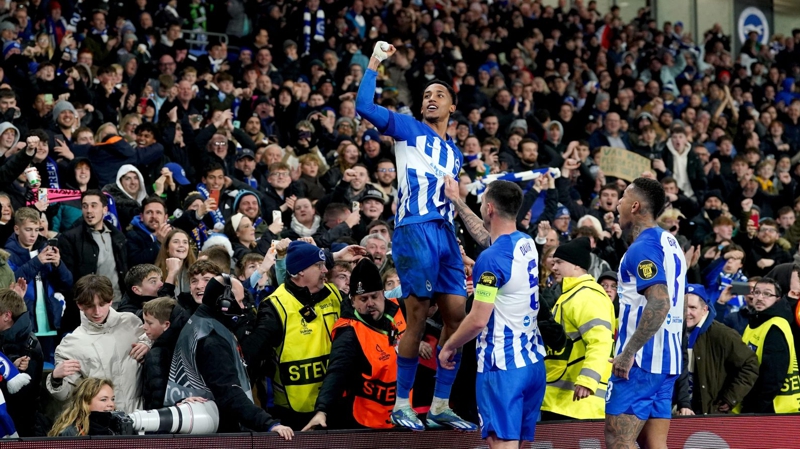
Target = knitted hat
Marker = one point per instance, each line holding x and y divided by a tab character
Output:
243	193
10	46
366	278
302	255
191	198
577	252
372	134
62	106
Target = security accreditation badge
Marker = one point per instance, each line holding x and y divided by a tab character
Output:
486	290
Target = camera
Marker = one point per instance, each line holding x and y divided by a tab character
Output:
186	418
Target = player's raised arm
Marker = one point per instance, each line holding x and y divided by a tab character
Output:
365	101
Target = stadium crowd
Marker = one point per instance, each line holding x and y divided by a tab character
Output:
165	202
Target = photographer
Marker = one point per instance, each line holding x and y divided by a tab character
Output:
207	364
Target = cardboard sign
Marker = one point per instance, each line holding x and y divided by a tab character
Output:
621	163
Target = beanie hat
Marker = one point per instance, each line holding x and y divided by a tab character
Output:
10	46
366	278
302	255
243	193
577	252
191	198
62	106
699	290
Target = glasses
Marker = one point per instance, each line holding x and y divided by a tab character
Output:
386	170
280	174
220	144
763	294
609	285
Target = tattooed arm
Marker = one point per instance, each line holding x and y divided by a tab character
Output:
653	316
473	223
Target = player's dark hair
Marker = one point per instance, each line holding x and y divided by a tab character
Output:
506	197
653	194
772	282
449	88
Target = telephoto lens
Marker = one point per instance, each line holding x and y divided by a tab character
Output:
187	418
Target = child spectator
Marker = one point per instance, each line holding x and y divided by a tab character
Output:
39	263
200	273
163	321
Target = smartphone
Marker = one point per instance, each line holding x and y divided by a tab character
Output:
236	124
215	196
740	288
274	243
277	217
754	218
52	242
356	206
42	194
48	99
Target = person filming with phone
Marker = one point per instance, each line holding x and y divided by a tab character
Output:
38	262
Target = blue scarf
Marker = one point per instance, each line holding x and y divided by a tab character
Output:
137	223
318	32
216	215
112	216
52	173
251	181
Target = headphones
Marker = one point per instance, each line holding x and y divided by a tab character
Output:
227	300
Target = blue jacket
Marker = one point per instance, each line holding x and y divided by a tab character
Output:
54	279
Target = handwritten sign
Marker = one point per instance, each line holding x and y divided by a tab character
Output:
621	163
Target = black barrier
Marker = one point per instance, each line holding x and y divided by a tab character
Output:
707	432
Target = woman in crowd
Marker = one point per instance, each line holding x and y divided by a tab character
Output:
347	156
240	231
177	245
310	171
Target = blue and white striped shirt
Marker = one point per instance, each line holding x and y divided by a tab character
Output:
654	258
511	339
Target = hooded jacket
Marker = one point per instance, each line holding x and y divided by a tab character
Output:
128	207
16	342
142	244
104	352
53	279
3	128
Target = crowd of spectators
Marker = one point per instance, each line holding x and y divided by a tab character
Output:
136	163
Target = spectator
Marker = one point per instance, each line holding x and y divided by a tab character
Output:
174	259
108	344
199	274
39	263
87	412
281	192
207	363
249	204
769	333
93	246
143	284
148	231
19	343
240	231
610	134
718	363
765	253
128	193
163	321
684	164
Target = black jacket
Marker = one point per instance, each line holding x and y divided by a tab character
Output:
79	253
774	361
142	248
216	364
273	201
23	406
155	368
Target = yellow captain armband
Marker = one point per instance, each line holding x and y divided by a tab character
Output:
486	290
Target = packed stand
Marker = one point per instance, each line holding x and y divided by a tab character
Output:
150	172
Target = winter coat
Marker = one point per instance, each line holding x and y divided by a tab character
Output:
142	245
53	279
725	370
16	342
103	351
127	207
155	368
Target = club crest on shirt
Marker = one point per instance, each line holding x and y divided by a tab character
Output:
488	279
647	270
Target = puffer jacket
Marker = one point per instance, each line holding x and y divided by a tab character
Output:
55	280
155	368
103	351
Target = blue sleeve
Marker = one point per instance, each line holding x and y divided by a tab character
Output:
365	102
646	261
491	269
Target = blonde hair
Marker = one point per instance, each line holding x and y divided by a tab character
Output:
76	413
159	308
671	213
